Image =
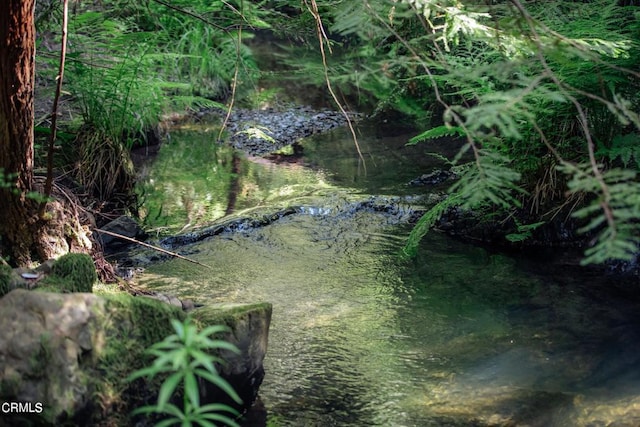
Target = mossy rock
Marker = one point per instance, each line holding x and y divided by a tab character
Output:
74	352
71	273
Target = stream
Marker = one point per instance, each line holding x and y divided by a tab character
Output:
361	336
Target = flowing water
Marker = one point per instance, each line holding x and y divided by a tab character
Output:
363	337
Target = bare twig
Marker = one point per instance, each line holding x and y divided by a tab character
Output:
56	102
234	84
322	38
155	248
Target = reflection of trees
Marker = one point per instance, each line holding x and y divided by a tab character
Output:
234	186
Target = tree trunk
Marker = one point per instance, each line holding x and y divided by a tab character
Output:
19	225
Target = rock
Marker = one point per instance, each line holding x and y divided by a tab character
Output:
71	353
45	341
165	298
46	267
249	331
434	178
284	127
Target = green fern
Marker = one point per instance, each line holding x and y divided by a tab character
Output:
523	231
437	132
490	179
426	223
625	148
612	215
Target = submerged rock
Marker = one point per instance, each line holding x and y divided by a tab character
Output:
434	178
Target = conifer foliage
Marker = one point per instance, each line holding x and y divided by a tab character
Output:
544	94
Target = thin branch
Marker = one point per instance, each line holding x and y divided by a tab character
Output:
234	84
155	248
56	101
322	37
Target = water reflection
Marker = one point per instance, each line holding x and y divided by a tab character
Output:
195	180
457	337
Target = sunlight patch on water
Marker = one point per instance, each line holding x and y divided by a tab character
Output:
359	337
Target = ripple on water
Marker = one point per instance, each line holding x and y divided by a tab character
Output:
456	337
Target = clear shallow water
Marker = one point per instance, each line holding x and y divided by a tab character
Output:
458	336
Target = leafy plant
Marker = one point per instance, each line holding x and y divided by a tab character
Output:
520	81
131	62
624	148
523	231
611	215
186	357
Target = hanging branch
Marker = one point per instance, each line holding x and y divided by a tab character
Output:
322	38
56	100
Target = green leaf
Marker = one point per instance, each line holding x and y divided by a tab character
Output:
168	387
220	382
191	389
216	407
437	132
169	422
202	359
178	327
145	372
145	410
221	418
214	329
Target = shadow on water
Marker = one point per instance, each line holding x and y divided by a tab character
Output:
361	337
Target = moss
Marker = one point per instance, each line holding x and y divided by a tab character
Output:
132	324
5	279
227	314
39	361
71	273
10	384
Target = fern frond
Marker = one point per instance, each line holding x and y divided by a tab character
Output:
490	179
612	217
624	148
437	132
426	223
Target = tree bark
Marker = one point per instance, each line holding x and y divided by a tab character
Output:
19	225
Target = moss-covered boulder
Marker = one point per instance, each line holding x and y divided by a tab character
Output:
73	352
